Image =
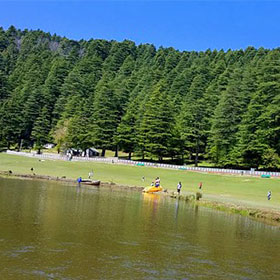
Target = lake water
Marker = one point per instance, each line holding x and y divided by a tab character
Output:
50	230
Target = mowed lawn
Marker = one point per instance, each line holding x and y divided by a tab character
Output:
244	190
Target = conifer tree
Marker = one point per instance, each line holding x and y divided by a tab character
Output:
31	111
127	137
260	122
54	81
157	127
104	118
11	122
40	131
72	91
226	121
192	121
3	77
78	134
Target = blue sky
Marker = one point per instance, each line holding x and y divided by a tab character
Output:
184	25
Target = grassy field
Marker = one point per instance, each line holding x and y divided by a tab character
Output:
245	190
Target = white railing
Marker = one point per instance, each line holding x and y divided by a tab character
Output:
41	156
151	164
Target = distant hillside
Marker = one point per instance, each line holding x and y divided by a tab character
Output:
223	106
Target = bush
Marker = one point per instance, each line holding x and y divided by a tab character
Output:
198	195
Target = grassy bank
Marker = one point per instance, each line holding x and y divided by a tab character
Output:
239	190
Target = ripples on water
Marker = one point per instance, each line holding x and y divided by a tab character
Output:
54	231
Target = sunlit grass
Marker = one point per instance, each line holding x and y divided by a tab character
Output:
226	188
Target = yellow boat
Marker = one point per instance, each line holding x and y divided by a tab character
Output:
152	189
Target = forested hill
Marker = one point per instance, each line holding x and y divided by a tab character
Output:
222	106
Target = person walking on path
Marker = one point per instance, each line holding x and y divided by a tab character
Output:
269	195
179	186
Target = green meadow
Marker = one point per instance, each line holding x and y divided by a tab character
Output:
242	190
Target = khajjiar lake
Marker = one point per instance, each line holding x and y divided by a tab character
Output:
50	230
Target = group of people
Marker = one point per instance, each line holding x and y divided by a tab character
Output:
90	175
156	183
179	187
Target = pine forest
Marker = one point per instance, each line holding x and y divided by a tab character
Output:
161	104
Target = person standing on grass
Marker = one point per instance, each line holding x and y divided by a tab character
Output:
269	195
90	174
200	185
179	186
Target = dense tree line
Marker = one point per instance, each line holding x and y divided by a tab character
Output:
220	106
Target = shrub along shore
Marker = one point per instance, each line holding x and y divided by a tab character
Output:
231	193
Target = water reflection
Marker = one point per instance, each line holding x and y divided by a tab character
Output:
152	200
78	189
176	208
50	230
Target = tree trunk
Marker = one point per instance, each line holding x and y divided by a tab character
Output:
117	151
103	152
129	155
190	155
196	154
18	145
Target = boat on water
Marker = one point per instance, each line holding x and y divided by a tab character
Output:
90	182
152	189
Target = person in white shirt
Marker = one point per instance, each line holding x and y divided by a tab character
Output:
179	186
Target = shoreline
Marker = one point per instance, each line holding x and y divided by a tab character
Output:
6	174
268	216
